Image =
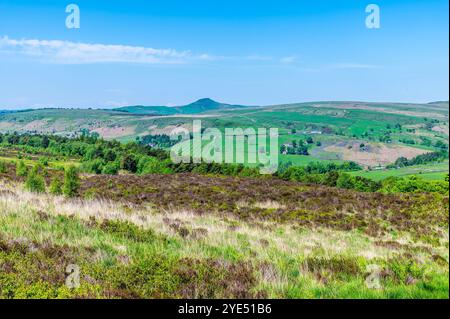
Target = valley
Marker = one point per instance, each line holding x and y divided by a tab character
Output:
386	131
357	209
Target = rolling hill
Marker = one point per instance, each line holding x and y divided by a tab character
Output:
338	129
200	106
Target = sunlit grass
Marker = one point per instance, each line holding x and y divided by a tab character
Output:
279	253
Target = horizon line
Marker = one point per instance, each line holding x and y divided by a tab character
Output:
231	104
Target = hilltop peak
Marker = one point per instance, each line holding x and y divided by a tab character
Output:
202	105
206	101
199	106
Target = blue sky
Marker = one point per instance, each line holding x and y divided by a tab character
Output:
245	52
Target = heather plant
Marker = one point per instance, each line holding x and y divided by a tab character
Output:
181	254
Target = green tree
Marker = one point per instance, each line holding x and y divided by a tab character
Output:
56	186
111	168
345	181
94	166
3	168
21	169
129	163
71	182
35	181
330	178
441	145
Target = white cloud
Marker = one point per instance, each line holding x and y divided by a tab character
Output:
288	59
66	52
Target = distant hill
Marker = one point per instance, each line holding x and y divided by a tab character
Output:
440	103
200	106
147	110
338	128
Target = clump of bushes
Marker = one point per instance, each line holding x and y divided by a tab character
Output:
111	168
35	180
3	168
345	180
21	169
71	182
433	157
332	178
413	184
151	165
56	186
403	270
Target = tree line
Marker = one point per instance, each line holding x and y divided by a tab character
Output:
109	157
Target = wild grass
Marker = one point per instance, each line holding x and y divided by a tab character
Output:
126	251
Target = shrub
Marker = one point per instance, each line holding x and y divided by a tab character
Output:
71	182
111	168
3	167
404	269
363	184
433	157
151	165
35	181
21	169
56	186
414	184
345	181
94	166
129	163
44	161
331	178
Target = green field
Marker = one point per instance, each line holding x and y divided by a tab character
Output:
428	172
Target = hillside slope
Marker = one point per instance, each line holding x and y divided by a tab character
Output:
148	237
